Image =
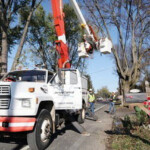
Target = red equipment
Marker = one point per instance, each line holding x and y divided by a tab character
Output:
61	45
90	41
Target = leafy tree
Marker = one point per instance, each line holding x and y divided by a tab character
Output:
8	12
13	36
103	92
130	20
90	84
27	11
73	36
42	37
10	29
73	33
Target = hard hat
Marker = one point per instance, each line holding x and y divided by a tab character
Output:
90	90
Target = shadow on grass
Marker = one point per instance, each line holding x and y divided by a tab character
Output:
110	132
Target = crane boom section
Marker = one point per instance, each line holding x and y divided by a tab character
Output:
80	16
58	15
61	45
90	41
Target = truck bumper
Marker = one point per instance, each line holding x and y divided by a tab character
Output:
16	124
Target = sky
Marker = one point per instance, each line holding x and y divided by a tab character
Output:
100	67
102	72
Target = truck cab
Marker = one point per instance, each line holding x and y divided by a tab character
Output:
34	101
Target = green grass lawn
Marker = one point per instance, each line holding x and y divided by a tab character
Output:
138	139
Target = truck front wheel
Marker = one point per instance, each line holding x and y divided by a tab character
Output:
40	138
81	116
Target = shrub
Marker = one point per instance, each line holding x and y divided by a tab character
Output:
142	117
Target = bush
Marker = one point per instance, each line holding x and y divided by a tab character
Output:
127	124
142	117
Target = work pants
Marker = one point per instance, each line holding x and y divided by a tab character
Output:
112	108
92	107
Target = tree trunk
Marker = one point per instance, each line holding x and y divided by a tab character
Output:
125	89
120	87
4	54
0	65
19	51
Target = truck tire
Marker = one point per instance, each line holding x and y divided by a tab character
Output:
81	116
40	138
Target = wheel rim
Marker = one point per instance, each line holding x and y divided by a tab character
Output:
83	113
45	130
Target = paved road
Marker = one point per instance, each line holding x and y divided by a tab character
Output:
61	138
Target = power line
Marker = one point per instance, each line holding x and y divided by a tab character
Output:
100	70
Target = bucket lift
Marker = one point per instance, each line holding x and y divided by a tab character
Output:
105	46
90	41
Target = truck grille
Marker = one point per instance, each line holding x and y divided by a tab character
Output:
4	103
4	96
4	90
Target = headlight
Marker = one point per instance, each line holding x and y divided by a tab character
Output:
25	102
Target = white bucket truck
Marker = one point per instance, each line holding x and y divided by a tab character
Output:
36	101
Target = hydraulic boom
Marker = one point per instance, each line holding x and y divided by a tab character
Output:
61	45
90	41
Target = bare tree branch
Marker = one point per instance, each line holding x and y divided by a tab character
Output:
131	21
96	19
143	53
104	23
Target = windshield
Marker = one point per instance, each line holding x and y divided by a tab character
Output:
28	75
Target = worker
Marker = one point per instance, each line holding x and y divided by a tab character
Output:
112	108
88	44
91	100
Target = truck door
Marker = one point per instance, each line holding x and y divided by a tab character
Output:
66	90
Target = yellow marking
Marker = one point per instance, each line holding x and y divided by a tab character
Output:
83	25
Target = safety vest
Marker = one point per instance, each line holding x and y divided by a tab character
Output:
114	98
91	97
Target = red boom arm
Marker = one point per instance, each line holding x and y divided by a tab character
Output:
61	45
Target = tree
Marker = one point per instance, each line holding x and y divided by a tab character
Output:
10	29
103	92
73	36
130	20
8	12
42	37
90	84
25	11
13	36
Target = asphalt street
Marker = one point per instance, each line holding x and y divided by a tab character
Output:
63	139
